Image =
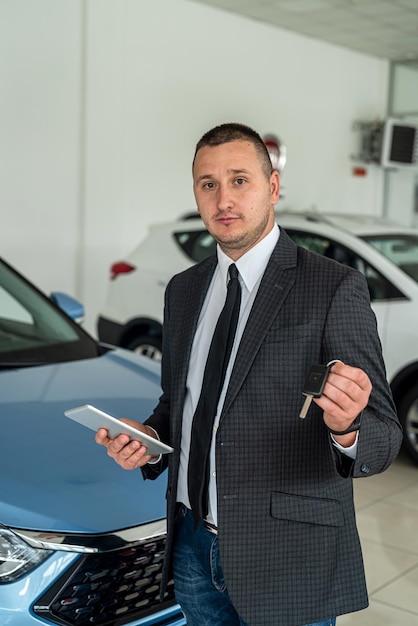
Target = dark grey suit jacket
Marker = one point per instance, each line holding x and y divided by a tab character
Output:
287	533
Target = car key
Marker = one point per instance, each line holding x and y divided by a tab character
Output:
314	385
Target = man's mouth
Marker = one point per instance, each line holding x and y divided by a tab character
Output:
227	219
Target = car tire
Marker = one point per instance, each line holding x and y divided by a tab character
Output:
147	345
408	416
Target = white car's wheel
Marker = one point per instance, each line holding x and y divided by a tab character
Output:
147	346
408	416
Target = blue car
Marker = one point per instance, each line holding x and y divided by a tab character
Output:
81	540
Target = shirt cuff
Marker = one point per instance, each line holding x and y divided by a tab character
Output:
155	459
351	451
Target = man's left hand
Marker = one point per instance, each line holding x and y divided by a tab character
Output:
346	394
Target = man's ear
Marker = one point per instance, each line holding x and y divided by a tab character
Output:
275	186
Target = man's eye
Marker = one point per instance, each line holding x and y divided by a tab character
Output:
208	186
240	181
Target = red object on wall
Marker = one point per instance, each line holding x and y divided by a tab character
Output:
359	171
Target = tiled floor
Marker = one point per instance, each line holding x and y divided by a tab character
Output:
387	519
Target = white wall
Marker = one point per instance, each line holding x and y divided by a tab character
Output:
39	138
105	101
400	198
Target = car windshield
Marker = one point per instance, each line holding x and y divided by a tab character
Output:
32	329
402	250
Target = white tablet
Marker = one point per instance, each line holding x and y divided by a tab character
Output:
94	419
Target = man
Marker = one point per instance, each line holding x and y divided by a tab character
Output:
278	544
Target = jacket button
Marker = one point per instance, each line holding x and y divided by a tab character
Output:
365	469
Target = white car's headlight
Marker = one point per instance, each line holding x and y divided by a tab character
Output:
17	557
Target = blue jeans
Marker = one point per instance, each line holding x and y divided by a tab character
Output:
199	583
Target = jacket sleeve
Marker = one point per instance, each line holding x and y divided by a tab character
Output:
158	422
351	335
160	418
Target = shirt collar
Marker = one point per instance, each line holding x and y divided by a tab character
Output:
253	263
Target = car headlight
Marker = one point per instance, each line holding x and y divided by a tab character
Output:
17	557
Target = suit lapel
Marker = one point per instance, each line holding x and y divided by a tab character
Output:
276	283
190	302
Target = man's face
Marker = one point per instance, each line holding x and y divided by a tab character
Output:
234	197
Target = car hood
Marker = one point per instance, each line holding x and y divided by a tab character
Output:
53	476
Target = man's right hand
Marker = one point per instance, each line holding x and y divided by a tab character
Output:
127	453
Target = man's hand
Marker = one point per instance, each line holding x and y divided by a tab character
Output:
127	453
346	394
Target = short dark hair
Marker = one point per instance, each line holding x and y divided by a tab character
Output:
233	131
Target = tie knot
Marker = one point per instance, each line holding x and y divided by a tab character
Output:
233	272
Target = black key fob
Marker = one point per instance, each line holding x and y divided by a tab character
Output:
315	381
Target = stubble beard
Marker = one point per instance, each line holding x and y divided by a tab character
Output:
245	240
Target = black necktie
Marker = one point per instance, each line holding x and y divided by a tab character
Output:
213	377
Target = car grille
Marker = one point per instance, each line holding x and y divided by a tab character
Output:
110	588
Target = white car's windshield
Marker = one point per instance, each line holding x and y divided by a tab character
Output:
402	250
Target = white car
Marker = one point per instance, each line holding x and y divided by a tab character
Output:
386	253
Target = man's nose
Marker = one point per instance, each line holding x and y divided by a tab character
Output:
224	197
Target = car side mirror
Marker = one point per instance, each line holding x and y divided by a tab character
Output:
72	307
